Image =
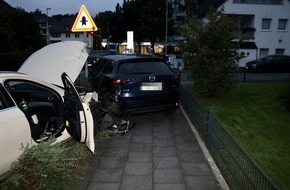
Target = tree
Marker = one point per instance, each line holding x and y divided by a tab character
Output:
20	32
7	35
192	6
104	22
146	18
209	51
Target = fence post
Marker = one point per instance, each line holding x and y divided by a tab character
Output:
209	127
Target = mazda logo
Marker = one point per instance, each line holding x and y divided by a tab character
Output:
152	78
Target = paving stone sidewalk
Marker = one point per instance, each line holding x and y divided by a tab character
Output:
159	153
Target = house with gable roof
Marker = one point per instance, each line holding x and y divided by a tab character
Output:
263	25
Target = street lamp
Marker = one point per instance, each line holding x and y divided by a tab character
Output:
47	31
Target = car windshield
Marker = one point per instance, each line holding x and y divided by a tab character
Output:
267	58
143	68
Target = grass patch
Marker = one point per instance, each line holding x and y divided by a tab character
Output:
253	115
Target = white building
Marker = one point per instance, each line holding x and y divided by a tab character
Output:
263	23
60	30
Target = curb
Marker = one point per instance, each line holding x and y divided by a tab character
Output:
217	174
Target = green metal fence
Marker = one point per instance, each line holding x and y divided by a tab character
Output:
236	165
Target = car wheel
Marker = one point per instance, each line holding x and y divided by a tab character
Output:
170	112
105	97
260	69
111	106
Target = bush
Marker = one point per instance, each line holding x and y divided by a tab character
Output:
211	57
47	166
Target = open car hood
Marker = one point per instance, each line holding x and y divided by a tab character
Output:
52	60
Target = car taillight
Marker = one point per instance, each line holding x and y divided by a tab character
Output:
176	104
120	81
175	77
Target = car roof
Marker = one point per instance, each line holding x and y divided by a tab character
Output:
275	55
121	57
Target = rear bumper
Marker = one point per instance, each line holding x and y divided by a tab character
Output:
150	104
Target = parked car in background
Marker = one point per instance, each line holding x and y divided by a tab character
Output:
135	84
270	63
41	100
91	61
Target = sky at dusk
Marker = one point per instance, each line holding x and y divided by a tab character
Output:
65	6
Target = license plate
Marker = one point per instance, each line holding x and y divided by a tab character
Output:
151	86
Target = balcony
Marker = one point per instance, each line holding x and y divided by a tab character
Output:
246	34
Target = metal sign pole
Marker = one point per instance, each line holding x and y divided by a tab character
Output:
84	23
86	64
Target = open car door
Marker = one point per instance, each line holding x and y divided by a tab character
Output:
78	117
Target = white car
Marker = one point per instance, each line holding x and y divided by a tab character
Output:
41	100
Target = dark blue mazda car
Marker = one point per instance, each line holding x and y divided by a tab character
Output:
135	84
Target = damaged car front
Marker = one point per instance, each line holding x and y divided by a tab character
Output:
41	100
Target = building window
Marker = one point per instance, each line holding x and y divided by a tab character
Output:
77	35
266	24
264	52
279	51
261	2
282	24
67	35
56	35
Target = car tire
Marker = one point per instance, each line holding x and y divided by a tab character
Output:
260	69
170	112
111	106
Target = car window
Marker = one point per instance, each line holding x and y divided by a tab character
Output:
5	100
143	67
29	91
107	67
277	58
103	66
285	58
267	58
99	65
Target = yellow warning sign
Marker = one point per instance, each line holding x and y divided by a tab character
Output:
84	22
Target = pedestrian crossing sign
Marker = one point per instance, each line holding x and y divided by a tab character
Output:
84	21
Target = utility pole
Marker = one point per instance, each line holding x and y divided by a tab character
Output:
166	28
47	30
